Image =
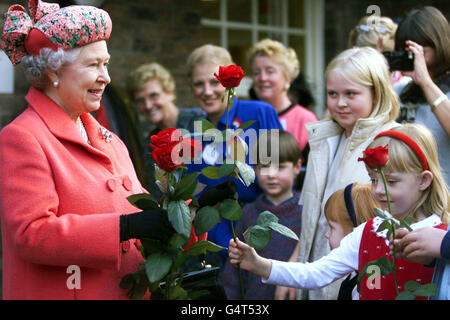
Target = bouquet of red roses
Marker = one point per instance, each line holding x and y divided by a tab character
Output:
160	270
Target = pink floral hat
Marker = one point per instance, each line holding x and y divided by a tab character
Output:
48	26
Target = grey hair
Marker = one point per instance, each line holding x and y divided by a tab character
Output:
36	67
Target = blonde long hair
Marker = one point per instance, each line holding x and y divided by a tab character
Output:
435	199
366	66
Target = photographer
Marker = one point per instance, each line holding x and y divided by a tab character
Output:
425	99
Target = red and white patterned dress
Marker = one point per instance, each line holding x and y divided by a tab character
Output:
373	246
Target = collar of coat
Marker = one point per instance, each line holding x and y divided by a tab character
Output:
61	125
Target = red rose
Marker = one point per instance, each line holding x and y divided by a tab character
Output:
170	149
168	157
170	136
230	76
376	157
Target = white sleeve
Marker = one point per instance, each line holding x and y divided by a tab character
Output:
320	273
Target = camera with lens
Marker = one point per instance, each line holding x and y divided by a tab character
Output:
400	60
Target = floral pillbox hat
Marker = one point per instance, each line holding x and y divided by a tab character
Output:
48	26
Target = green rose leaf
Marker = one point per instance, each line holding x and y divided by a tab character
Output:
180	217
178	241
285	231
211	172
385	225
194	295
202	246
246	173
405	295
426	290
186	187
157	266
383	263
143	201
127	281
226	169
205	219
246	124
257	237
265	218
230	209
207	125
177	293
151	246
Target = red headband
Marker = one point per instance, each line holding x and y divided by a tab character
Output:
410	142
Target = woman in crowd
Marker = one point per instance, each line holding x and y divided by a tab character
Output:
425	100
273	68
151	88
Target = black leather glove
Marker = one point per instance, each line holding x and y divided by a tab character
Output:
218	193
152	224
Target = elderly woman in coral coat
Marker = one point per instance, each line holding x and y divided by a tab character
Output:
68	230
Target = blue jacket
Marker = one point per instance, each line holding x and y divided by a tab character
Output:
242	111
441	275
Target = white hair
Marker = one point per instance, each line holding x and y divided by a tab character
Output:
36	67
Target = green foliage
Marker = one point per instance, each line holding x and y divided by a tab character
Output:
157	266
205	219
143	201
414	289
258	236
180	217
230	209
202	246
160	271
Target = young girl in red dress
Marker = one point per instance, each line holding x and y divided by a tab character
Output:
416	188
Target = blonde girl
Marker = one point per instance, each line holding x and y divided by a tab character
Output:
413	193
361	103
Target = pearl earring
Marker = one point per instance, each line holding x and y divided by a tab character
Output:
55	83
287	86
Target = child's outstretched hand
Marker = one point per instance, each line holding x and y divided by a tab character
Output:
246	256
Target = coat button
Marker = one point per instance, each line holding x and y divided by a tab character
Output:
111	184
125	246
126	182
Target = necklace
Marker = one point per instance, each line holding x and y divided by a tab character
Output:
83	130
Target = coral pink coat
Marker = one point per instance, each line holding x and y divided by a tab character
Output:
60	202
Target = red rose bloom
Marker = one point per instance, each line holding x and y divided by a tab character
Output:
231	76
170	136
170	149
376	157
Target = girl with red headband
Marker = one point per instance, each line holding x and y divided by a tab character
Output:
416	189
